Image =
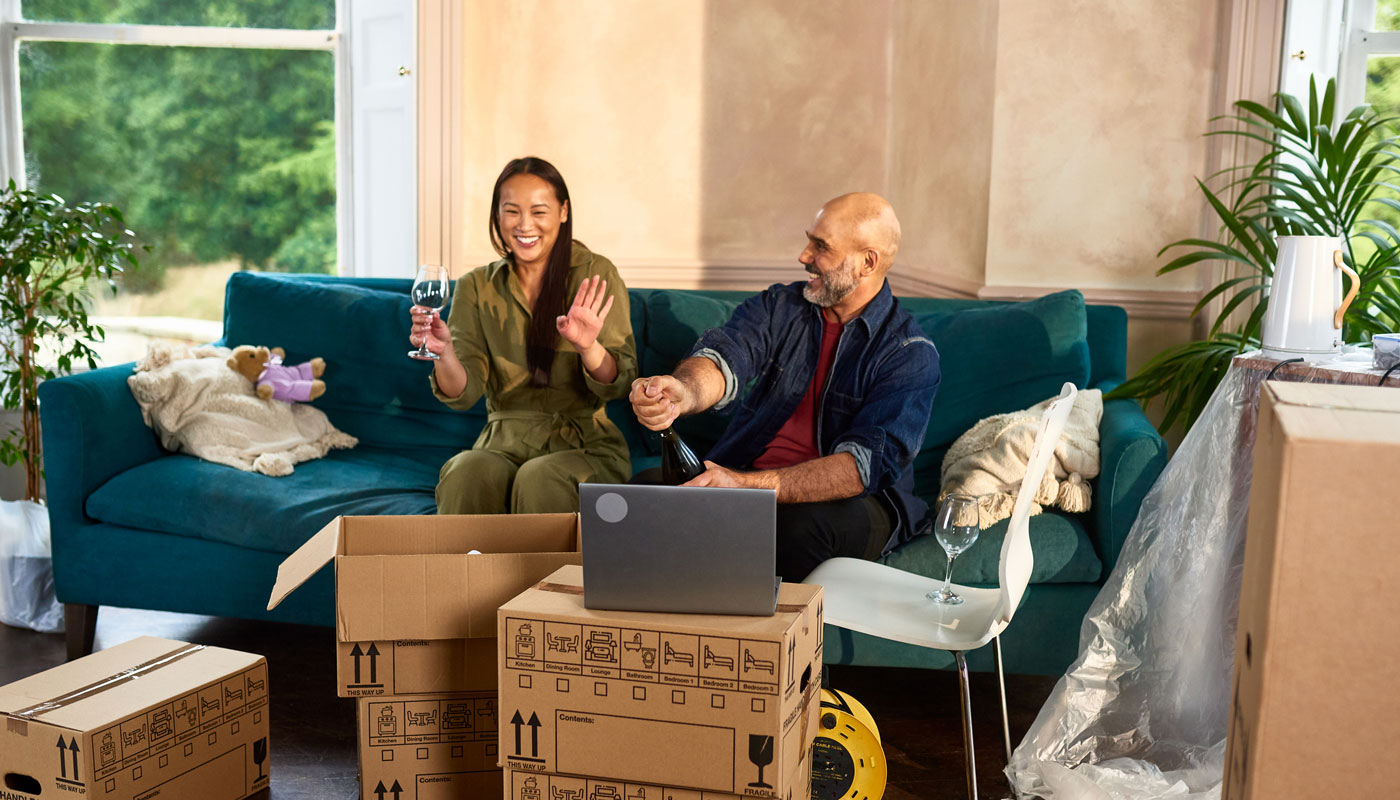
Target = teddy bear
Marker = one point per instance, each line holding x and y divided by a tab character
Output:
274	380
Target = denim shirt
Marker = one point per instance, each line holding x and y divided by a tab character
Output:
875	405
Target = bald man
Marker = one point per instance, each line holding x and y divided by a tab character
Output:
842	382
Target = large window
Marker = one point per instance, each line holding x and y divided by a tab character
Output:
1369	72
213	126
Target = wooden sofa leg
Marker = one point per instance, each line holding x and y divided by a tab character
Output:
81	624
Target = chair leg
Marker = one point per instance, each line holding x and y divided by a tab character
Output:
1001	687
80	626
968	752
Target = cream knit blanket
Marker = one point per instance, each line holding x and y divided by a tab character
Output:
197	405
989	460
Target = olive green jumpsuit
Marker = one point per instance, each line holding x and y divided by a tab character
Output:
539	442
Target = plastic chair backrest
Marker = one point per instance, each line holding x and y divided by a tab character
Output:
1017	560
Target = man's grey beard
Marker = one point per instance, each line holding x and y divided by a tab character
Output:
834	287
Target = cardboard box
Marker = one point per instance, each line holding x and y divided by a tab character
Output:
429	746
148	718
1314	712
547	786
722	704
415	609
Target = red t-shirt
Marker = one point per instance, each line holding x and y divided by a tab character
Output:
796	441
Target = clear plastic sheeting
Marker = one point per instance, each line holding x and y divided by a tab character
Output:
27	597
1142	712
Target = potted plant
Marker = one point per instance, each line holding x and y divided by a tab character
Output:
50	251
1320	172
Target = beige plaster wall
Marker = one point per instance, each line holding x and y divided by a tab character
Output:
1023	142
1100	111
693	133
607	91
796	108
940	144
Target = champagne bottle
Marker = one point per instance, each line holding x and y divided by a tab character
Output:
678	461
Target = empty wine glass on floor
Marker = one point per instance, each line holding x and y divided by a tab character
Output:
956	528
430	290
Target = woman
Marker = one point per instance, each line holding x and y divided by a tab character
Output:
546	366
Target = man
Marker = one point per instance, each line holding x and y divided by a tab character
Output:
842	382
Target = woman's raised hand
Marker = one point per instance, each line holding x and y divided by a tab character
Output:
580	326
428	325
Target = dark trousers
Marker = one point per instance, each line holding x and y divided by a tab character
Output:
810	533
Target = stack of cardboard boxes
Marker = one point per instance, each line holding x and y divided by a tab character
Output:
612	705
429	612
416	601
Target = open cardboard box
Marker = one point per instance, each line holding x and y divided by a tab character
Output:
696	702
146	718
415	608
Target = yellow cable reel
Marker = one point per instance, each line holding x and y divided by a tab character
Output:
847	759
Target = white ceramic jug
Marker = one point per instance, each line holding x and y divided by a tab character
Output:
1304	317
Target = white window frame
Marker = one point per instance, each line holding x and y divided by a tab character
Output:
1359	44
14	30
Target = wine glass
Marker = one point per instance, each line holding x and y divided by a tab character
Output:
430	290
956	527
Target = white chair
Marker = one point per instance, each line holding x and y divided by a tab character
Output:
890	603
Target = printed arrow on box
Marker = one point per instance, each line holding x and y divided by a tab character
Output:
373	653
534	724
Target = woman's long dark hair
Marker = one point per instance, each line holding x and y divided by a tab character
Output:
542	335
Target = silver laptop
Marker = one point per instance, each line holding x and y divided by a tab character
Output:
683	549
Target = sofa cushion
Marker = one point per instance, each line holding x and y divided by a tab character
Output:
1045	339
1062	549
186	496
374	391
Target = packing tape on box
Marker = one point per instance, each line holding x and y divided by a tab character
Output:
1330	407
115	680
563	588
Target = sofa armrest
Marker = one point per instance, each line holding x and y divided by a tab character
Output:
92	430
1133	455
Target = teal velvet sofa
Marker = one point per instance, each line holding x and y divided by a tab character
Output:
136	526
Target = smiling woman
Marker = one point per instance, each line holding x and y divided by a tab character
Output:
529	212
545	366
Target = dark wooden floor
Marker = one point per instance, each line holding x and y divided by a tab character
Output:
313	749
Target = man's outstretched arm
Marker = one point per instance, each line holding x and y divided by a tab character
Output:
694	386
